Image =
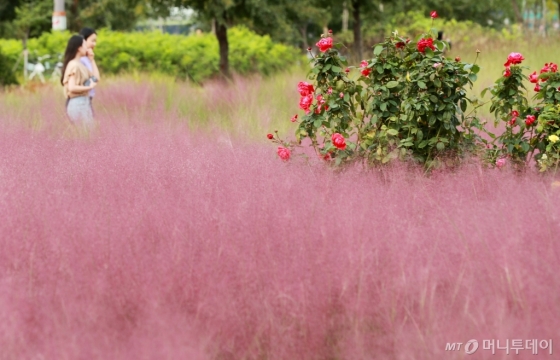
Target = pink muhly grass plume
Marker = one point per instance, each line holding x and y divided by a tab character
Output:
151	240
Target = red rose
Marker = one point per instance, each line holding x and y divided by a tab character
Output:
400	45
512	121
537	88
365	72
338	141
305	102
529	120
270	136
552	67
507	72
433	14
324	44
514	58
515	113
283	153
534	78
425	43
457	59
347	70
305	88
294	118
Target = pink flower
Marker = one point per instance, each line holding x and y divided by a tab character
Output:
507	72
529	120
500	163
365	72
534	78
305	102
283	153
329	91
514	58
425	43
294	118
433	14
270	136
437	65
305	88
338	141
324	44
341	95
363	64
537	88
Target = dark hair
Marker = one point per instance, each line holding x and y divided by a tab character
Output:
87	32
71	50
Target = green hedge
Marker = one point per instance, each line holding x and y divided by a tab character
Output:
7	77
194	56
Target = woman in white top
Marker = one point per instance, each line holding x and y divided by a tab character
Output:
90	36
77	82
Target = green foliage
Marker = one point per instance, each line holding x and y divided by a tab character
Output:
7	77
403	103
525	139
194	56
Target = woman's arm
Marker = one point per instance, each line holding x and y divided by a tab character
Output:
74	88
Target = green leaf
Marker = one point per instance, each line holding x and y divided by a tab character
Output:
317	123
336	69
378	49
422	85
464	105
392	132
472	77
475	69
392	84
429	53
437	83
440	146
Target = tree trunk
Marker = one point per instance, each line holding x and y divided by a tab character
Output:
221	34
345	16
558	3
303	32
357	29
518	16
25	55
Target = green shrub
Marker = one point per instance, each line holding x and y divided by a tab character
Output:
195	56
7	76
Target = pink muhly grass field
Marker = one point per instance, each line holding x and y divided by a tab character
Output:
149	240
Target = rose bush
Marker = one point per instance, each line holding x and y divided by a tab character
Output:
531	127
408	102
